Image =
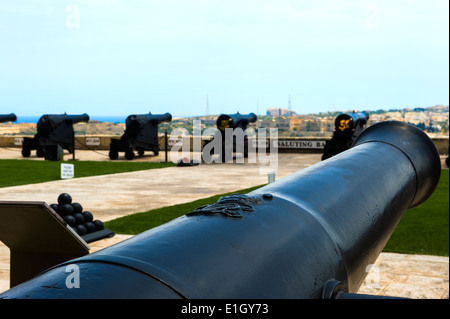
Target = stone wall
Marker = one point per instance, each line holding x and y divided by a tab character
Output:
285	144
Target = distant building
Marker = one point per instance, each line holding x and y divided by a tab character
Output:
296	124
283	125
267	123
280	112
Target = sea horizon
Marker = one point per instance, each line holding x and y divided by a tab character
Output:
99	118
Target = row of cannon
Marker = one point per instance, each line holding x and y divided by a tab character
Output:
141	134
55	131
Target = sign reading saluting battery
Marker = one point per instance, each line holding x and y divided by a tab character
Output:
300	144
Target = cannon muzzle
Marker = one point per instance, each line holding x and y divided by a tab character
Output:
347	127
160	118
140	120
235	120
136	123
8	118
348	122
288	239
79	118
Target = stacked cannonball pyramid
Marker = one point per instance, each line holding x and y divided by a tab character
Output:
82	222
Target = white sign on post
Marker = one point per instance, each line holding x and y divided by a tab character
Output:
175	141
93	141
67	171
18	141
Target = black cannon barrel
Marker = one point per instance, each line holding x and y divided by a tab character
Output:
8	117
288	239
143	119
58	118
349	121
80	118
48	122
235	120
55	119
160	118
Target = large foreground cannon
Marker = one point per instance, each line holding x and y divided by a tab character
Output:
8	118
54	131
234	140
347	127
309	235
141	134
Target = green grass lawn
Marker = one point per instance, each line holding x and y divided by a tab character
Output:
21	172
425	229
422	230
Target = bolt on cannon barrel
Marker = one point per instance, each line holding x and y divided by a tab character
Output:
289	239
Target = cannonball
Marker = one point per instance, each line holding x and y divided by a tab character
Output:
79	218
64	198
77	208
88	217
90	227
70	220
65	209
55	207
81	229
98	225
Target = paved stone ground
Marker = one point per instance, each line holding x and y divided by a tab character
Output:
112	196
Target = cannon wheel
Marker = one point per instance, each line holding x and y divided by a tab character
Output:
40	152
129	155
113	154
26	152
